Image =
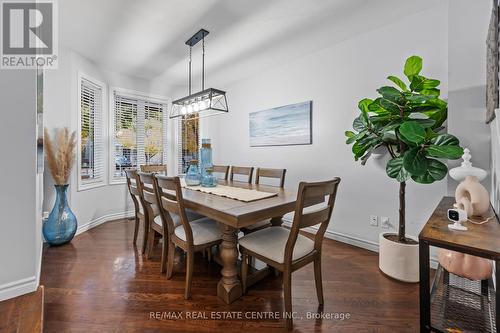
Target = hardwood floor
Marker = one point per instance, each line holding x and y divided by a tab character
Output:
23	314
101	283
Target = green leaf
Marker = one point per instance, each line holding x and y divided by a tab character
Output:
415	162
417	83
375	107
450	152
363	107
413	66
431	83
364	104
355	137
391	94
445	140
398	82
416	98
438	115
431	92
390	106
396	170
425	123
349	134
435	171
412	131
358	124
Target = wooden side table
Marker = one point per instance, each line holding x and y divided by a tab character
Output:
479	240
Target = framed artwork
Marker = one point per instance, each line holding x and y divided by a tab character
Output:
282	126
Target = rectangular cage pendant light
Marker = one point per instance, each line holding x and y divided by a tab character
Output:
207	102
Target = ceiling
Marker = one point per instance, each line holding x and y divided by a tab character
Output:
145	39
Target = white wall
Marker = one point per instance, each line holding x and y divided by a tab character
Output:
61	110
335	79
20	237
468	28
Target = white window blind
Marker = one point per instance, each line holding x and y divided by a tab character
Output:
91	168
189	141
138	134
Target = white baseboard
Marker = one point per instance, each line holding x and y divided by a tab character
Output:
351	240
100	220
18	288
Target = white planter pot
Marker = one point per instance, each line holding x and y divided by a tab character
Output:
399	261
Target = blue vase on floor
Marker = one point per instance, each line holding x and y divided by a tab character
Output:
60	227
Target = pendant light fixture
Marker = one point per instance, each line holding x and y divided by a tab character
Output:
207	102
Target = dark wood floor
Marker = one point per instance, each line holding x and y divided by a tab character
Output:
99	283
23	314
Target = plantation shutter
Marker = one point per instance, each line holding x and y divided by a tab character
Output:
153	133
139	133
124	135
188	142
91	133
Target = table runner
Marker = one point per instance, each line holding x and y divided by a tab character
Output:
237	193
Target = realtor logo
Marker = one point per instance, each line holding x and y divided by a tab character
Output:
28	35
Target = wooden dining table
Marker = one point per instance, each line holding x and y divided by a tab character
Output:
233	215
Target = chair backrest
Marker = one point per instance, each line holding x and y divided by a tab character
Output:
133	188
244	171
270	173
222	169
170	200
149	198
307	193
157	168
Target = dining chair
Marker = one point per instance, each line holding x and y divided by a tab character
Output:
242	171
132	185
275	174
223	170
287	250
196	236
153	218
150	207
154	168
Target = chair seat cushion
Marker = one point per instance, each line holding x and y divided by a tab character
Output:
258	224
270	243
191	216
204	230
175	218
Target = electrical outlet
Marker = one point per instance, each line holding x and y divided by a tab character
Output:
384	222
374	220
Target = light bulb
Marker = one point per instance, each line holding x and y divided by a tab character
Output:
189	108
183	110
196	108
207	103
201	105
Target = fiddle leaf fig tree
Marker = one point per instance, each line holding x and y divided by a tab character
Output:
407	120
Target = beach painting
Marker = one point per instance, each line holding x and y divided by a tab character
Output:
282	126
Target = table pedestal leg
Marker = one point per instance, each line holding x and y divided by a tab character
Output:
229	287
277	221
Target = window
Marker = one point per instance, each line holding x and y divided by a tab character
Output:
90	141
189	141
138	132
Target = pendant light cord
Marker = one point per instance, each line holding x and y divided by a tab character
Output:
190	51
203	64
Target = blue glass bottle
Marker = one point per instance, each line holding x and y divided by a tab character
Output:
207	177
60	227
193	177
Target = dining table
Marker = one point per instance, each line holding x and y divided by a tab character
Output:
234	214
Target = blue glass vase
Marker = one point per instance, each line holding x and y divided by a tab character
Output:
193	177
207	167
60	227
